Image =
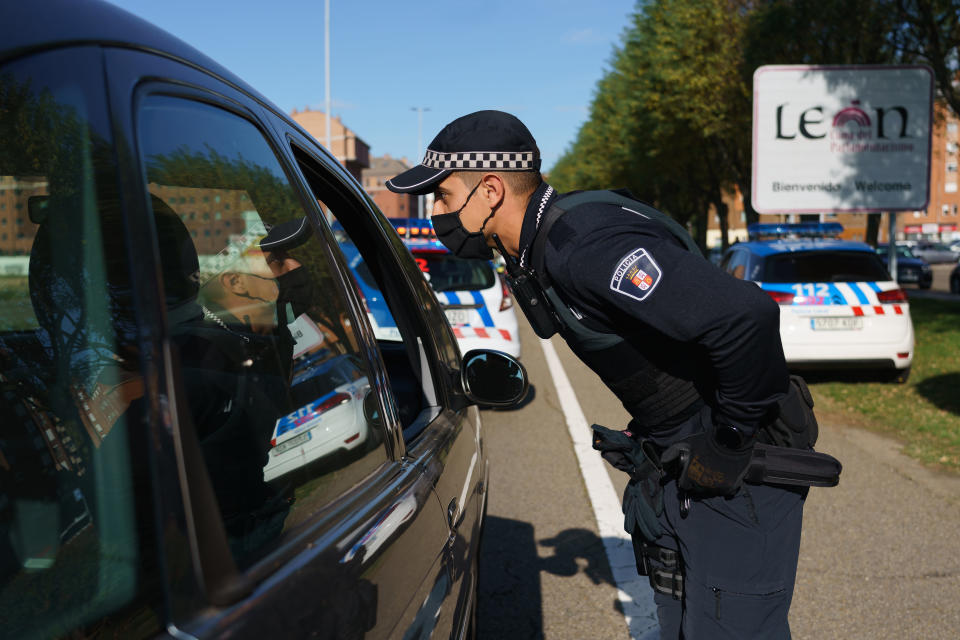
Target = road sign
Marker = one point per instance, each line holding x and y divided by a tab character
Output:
841	138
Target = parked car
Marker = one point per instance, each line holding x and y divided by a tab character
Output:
474	296
934	252
177	308
955	279
839	306
910	268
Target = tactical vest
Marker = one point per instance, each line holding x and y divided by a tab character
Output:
653	397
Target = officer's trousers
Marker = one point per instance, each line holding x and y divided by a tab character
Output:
740	563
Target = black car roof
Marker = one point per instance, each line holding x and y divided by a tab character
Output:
29	26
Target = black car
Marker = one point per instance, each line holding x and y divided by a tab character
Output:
911	269
176	315
955	279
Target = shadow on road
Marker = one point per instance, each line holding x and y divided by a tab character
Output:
573	545
509	600
942	391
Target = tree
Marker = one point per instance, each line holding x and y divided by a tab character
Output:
928	31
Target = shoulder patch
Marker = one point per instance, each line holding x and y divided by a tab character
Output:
637	275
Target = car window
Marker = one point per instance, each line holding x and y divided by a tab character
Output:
903	252
404	341
278	388
72	547
824	266
447	272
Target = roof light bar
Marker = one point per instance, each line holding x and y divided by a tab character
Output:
760	230
413	227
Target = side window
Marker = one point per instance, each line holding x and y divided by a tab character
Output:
402	339
76	542
278	388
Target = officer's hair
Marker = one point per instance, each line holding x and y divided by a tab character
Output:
520	183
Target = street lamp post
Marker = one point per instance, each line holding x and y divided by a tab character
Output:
326	64
419	111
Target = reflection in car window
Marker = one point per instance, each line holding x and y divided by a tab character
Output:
824	266
72	548
402	346
277	387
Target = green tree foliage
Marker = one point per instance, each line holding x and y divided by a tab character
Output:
665	118
928	31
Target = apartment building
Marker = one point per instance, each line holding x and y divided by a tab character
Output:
393	205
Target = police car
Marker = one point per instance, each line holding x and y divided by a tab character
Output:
839	307
474	295
331	392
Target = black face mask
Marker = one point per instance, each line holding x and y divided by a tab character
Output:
462	243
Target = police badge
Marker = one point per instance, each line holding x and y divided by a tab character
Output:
636	275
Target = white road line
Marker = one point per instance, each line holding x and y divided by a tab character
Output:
633	590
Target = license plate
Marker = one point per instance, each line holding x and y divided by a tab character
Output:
457	317
837	324
291	443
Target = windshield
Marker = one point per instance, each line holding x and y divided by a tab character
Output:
824	266
447	272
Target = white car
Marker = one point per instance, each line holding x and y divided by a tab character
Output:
474	295
839	307
331	418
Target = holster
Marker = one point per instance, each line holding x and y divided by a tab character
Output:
795	425
663	567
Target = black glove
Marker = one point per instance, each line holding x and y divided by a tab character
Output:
617	448
706	467
643	495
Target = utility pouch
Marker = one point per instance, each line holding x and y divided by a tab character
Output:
796	425
662	566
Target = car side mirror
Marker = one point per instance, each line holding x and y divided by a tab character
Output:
493	378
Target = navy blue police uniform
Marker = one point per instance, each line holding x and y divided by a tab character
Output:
687	347
692	353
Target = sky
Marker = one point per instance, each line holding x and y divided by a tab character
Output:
537	59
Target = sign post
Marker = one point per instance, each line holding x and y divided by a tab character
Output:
852	138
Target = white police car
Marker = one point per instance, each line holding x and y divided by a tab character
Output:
330	393
839	307
474	295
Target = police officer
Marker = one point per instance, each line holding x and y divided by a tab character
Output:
693	353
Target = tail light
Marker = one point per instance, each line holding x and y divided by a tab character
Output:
330	403
892	296
506	302
780	297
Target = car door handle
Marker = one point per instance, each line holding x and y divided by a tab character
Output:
452	510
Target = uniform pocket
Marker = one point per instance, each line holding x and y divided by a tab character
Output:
762	613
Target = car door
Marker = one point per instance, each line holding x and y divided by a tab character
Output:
339	544
441	435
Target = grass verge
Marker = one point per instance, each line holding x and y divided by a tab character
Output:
924	413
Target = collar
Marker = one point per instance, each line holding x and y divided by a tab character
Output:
540	201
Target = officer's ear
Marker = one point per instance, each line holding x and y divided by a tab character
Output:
492	190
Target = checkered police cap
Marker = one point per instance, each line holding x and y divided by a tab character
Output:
481	141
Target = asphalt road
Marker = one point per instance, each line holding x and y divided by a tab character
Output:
879	557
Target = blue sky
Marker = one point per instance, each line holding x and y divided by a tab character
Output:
538	59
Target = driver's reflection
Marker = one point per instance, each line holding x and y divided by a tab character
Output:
235	332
